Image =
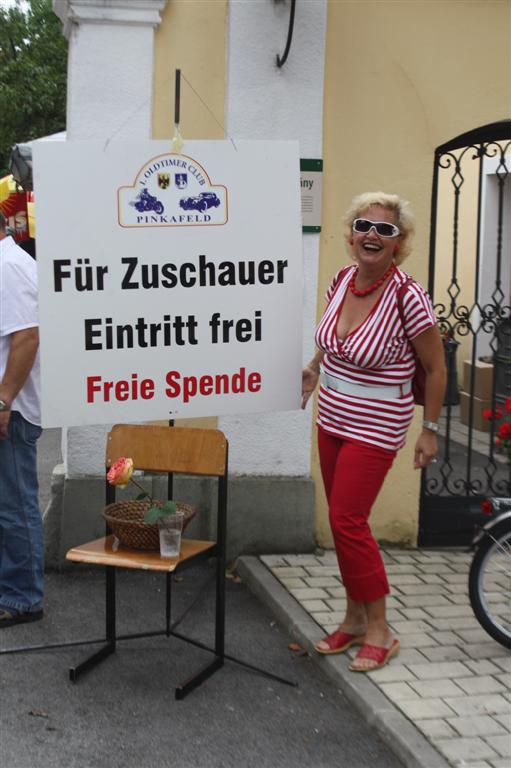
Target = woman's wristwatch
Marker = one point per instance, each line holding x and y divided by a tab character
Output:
431	425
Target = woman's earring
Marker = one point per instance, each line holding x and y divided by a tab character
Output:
350	241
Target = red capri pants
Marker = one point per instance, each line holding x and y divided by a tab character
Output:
353	475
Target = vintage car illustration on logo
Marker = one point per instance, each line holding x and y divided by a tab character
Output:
172	190
147	202
200	203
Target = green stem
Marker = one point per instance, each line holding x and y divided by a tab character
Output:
143	489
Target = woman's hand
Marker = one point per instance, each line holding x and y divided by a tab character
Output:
430	350
310	378
426	449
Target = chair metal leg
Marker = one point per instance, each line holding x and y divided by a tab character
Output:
111	638
110	588
193	682
168	603
91	661
235	660
220	566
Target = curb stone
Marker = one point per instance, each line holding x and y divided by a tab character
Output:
400	735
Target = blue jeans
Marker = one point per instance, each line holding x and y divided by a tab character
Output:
21	526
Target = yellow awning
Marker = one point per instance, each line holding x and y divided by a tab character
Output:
7	187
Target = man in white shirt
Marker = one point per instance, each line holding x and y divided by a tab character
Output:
21	529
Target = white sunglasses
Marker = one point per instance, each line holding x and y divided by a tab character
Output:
382	228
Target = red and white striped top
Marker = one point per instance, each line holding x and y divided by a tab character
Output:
376	353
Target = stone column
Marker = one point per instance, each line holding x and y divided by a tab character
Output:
110	66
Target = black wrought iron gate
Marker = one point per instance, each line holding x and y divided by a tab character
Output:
470	283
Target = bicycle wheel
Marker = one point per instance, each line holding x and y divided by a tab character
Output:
489	583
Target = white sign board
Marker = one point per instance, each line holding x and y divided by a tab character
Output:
170	285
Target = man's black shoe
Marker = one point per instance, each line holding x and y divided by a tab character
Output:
9	618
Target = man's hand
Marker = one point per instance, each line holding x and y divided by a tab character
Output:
4	423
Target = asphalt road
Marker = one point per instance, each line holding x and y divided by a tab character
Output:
123	713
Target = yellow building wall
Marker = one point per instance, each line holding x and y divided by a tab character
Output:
191	37
402	78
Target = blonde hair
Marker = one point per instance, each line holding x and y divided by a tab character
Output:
405	219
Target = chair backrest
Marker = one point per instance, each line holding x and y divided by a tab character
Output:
169	449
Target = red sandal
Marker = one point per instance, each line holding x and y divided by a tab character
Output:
339	641
374	653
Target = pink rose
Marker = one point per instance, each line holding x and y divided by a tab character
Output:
120	472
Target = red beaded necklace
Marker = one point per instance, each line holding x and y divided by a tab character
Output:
373	287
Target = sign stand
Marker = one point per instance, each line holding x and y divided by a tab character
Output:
177	139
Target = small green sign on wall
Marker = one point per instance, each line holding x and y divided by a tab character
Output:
311	184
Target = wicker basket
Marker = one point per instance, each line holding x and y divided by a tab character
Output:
126	521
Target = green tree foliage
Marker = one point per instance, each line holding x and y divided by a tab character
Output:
33	74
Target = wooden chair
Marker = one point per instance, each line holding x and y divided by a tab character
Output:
173	450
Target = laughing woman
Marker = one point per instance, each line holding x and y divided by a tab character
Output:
376	322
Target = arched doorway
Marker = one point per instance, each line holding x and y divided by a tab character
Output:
470	283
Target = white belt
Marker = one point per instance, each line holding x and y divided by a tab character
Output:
383	392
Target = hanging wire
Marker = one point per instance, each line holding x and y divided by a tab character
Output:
210	112
165	84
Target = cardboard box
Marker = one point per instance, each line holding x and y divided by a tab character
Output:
483	379
478	422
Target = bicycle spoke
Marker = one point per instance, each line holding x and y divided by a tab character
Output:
506	552
491	585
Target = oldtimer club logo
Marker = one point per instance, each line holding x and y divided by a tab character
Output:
172	191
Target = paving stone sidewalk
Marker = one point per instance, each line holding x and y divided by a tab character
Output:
451	679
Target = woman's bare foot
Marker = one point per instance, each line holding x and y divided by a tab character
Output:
335	643
379	647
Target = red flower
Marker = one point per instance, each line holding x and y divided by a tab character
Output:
497	441
486	507
507	405
488	414
498	413
504	431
